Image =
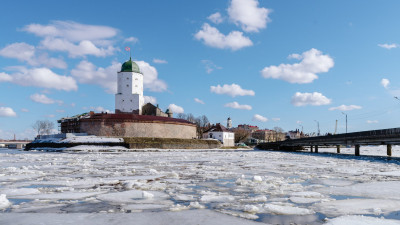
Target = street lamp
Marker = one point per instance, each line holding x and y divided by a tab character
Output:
318	127
346	120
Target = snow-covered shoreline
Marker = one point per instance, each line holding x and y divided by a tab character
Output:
178	186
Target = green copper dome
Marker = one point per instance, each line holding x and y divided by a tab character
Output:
130	66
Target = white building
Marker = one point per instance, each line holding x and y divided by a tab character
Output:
129	97
221	133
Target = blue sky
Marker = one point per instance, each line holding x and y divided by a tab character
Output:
266	63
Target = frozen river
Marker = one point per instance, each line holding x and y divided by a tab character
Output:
198	187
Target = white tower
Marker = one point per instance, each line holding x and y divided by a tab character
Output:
129	97
229	123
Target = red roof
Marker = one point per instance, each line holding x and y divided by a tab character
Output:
134	117
217	128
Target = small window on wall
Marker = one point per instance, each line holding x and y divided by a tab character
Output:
131	100
127	78
135	85
136	79
127	85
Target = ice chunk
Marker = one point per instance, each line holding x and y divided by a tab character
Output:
196	205
357	206
4	203
287	210
251	209
257	179
361	220
147	195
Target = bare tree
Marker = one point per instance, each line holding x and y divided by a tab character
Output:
241	135
181	116
43	127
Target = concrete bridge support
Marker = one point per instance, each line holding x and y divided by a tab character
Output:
311	148
389	150
316	149
337	148
357	150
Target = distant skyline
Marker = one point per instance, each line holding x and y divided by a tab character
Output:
287	64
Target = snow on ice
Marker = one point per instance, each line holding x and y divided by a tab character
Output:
197	187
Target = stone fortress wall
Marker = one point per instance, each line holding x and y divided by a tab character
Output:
138	128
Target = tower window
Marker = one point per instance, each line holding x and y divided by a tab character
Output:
136	79
127	78
127	85
135	85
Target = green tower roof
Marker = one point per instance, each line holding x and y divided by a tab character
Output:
130	66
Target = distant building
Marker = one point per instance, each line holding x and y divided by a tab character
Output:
152	110
247	127
229	123
268	135
293	134
221	133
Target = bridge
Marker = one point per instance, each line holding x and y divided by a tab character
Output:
19	144
386	137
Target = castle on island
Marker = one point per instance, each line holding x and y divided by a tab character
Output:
132	117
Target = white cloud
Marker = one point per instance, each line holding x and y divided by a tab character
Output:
131	39
41	98
232	90
28	53
299	122
5	77
210	66
60	110
198	101
316	98
87	73
248	15
212	37
50	116
83	48
388	46
216	18
100	109
150	77
160	61
7	112
345	107
276	119
385	82
236	105
40	77
150	99
260	118
71	31
312	62
24	110
175	109
372	121
75	38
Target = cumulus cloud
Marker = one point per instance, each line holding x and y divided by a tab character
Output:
82	48
232	90
236	105
175	108
7	112
160	61
276	119
248	15
40	77
388	46
213	38
150	99
150	77
345	107
24	110
75	38
71	31
87	73
372	121
384	82
198	101
312	62
216	18
316	98
210	66
28	53
260	118
41	98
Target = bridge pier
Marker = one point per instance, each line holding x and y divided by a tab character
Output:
357	150
389	150
316	149
311	148
337	148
